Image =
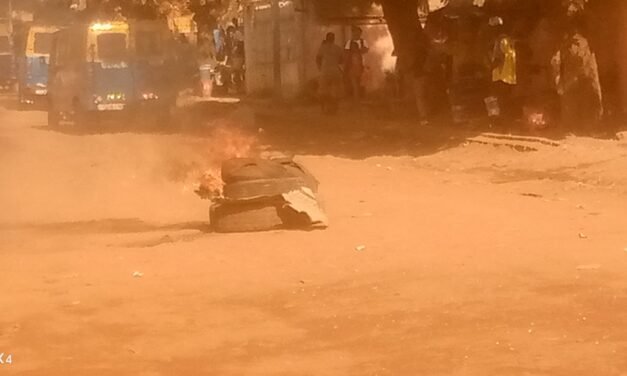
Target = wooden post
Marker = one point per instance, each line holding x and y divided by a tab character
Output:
276	46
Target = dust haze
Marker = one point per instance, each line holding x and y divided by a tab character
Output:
313	188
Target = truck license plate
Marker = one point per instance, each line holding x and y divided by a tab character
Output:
111	107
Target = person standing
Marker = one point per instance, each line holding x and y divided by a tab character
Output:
504	68
236	57
355	50
239	32
329	60
577	78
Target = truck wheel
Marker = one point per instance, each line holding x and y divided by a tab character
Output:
247	217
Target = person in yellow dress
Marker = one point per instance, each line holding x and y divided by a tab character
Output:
504	67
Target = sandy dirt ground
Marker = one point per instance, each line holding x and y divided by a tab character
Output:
478	260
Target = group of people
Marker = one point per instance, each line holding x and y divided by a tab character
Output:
539	73
573	75
223	49
341	68
524	75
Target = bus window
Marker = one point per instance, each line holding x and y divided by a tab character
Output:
112	46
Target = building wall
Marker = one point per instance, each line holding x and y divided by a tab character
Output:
259	48
301	36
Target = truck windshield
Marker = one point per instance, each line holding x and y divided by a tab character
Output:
43	43
5	44
112	46
148	43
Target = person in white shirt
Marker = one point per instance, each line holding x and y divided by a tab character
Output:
355	50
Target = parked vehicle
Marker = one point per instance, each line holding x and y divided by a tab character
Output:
7	61
153	67
114	69
90	73
32	64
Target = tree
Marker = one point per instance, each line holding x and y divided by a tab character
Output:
406	30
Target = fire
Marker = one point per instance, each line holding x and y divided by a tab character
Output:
226	142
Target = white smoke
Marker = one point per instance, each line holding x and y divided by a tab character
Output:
384	48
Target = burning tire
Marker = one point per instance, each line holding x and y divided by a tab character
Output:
263	195
245	169
247	178
231	217
254	189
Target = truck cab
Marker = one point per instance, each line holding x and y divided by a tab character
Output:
112	69
32	63
90	73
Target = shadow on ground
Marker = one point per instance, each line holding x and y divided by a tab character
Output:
353	134
107	226
358	133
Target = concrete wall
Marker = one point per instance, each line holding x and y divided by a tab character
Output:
259	48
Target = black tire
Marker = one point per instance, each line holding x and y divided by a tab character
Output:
246	169
256	189
246	217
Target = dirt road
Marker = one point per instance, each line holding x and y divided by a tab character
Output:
477	261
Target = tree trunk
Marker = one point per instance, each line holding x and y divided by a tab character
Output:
406	30
410	47
276	49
